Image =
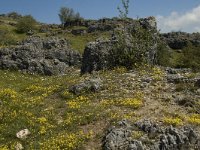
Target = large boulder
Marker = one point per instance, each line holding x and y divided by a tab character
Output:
50	56
95	56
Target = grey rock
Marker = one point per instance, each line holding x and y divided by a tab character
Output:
23	134
95	56
78	31
100	27
177	78
175	139
120	139
178	70
169	138
179	40
50	56
91	85
149	127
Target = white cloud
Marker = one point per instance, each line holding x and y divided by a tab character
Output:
187	22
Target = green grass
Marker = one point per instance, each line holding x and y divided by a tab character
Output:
78	42
52	114
57	118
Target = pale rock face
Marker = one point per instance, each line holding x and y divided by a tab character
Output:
19	146
23	134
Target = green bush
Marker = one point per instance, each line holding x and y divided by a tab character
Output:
133	42
132	46
26	23
164	55
191	57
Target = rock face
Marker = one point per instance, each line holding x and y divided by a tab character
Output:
51	56
97	54
179	40
154	137
120	139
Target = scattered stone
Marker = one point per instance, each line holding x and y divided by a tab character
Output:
78	31
23	134
19	146
176	71
91	85
177	78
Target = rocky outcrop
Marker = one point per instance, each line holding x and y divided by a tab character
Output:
179	40
154	138
51	56
95	56
107	24
98	55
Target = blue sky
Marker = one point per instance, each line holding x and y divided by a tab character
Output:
165	10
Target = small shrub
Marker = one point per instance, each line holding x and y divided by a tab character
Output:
188	58
191	57
26	24
163	55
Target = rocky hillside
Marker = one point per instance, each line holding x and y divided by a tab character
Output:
54	96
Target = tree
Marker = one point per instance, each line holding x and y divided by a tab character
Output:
68	14
26	24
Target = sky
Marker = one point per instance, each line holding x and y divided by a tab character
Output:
172	15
